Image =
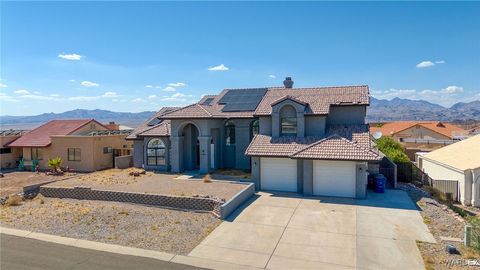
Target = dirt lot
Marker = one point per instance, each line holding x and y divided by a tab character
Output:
13	182
442	222
156	183
110	222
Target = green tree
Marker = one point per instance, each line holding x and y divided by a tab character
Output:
392	149
55	163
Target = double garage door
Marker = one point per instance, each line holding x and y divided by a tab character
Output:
330	178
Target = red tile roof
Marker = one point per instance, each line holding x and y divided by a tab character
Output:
40	137
389	129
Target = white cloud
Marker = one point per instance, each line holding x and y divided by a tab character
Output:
72	80
89	84
179	97
169	89
73	56
2	85
425	64
54	95
152	96
148	86
221	67
36	92
453	89
138	100
5	97
272	76
178	84
110	94
22	92
39	97
440	62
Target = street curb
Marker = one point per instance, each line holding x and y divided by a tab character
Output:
123	250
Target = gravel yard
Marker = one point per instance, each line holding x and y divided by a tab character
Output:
154	183
110	222
442	222
13	182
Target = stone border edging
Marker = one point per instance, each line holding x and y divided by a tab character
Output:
123	250
167	201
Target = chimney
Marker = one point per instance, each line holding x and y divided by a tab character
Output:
288	83
112	126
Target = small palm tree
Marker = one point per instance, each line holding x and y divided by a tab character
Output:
55	163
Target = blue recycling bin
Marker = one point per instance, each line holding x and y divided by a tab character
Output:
380	182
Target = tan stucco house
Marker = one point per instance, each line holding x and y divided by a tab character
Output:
84	145
459	162
9	156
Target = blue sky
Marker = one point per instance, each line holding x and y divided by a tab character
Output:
131	56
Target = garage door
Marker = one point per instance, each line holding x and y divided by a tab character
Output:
334	178
278	174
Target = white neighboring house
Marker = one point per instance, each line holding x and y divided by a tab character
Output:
459	161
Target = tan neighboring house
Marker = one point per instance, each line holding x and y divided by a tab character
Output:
419	136
458	162
83	145
9	156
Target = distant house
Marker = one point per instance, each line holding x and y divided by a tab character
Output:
419	136
9	156
84	145
459	162
312	141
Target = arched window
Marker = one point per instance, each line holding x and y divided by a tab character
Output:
255	128
288	121
155	152
229	133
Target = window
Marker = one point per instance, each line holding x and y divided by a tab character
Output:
155	152
37	153
255	128
74	154
289	126
107	150
5	150
229	133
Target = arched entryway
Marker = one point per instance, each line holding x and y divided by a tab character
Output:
191	147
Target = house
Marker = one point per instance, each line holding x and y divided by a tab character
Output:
308	140
419	136
459	162
84	144
9	156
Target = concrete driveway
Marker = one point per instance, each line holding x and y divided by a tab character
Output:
286	231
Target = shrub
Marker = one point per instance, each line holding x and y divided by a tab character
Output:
207	178
55	163
13	200
392	149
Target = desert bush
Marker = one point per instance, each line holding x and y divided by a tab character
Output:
55	163
207	178
392	149
13	200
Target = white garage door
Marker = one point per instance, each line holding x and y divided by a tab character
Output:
334	178
278	174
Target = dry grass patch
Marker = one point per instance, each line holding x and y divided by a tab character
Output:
14	200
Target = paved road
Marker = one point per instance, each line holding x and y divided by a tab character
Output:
22	253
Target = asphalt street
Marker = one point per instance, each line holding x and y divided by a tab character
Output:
18	253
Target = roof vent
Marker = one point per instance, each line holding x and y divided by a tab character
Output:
288	83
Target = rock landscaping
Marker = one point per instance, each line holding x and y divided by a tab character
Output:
446	226
125	224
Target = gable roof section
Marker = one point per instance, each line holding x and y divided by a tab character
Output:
157	130
342	143
462	155
391	128
319	99
40	137
336	147
288	97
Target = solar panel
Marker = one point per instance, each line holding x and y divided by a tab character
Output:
154	121
208	101
242	99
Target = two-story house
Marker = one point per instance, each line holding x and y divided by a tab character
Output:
307	140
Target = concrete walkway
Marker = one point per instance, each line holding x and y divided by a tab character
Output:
286	231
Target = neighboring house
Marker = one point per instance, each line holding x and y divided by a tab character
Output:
9	156
307	140
460	162
84	145
419	136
